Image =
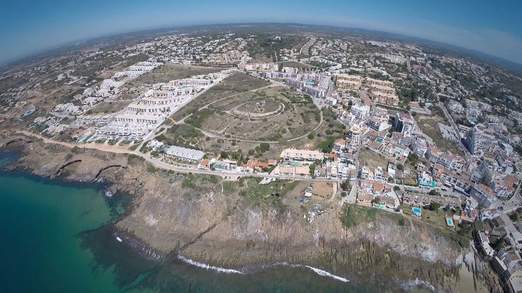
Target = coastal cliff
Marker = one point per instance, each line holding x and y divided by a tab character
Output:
221	223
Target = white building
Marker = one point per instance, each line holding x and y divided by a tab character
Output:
301	155
184	154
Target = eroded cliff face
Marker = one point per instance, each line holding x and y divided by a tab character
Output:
210	222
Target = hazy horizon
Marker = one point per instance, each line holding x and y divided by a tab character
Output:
30	27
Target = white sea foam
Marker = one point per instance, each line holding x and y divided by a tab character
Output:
319	272
327	274
207	266
418	283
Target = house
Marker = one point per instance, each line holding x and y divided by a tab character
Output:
389	200
223	165
348	82
257	165
425	180
508	264
420	147
302	155
483	194
377	187
482	241
391	169
184	154
204	164
339	145
291	169
364	199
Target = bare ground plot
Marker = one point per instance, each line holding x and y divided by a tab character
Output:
429	126
224	133
293	119
235	84
372	159
322	189
170	72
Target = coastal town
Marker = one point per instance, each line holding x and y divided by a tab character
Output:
387	125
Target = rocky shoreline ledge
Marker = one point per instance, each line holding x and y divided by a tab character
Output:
210	224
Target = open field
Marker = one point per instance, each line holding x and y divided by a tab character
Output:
271	114
239	115
182	135
235	84
323	136
372	159
429	126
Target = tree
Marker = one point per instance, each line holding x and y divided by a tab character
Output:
433	192
312	170
434	206
346	185
264	147
412	159
326	146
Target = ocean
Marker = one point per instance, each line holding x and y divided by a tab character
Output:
56	237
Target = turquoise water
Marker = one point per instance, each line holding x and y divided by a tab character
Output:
41	250
57	237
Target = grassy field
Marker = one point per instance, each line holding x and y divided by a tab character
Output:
353	215
182	135
437	219
215	112
292	115
270	194
372	159
295	120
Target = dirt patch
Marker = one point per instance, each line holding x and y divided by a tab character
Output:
322	189
372	159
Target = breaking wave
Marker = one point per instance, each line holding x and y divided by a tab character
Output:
327	274
207	266
317	271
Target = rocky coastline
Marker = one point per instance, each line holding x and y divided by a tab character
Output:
166	220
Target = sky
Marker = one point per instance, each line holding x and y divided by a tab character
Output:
492	27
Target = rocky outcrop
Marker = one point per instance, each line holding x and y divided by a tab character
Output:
225	229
